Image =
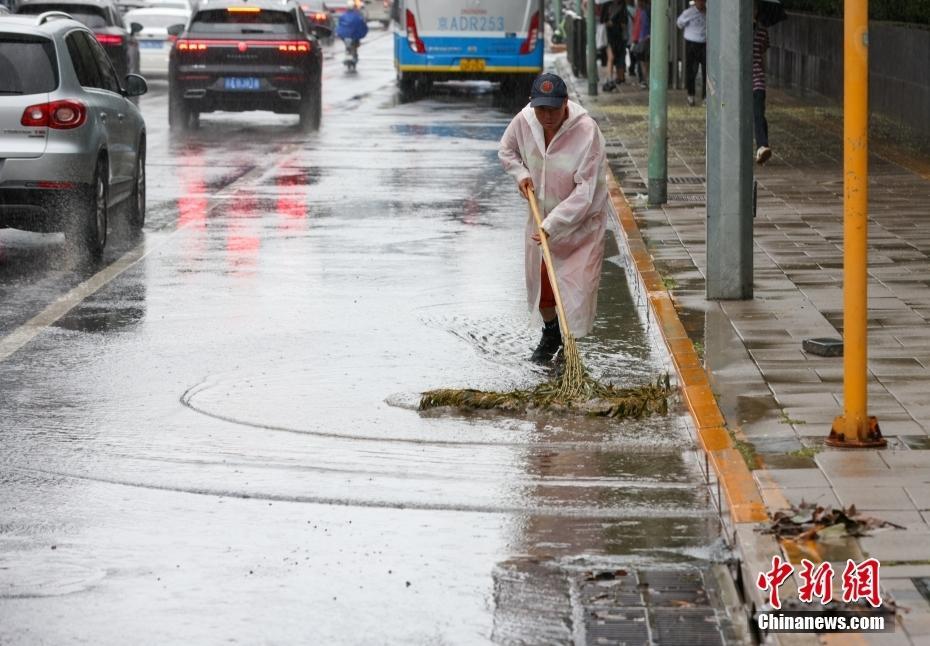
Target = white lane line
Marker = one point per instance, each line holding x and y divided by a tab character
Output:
71	299
29	330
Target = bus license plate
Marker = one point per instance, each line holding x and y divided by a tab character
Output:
236	83
472	64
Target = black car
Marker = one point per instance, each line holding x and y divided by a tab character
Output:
320	18
104	19
245	55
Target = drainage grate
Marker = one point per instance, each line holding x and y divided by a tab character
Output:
687	197
696	626
651	606
686	179
618	626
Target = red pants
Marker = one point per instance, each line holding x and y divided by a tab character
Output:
546	296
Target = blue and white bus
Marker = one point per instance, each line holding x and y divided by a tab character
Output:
445	40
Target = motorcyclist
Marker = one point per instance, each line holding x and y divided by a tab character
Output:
352	28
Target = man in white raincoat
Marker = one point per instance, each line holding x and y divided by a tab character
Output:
553	147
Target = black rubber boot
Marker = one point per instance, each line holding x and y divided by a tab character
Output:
549	344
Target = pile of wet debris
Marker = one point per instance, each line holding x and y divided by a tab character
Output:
593	398
809	521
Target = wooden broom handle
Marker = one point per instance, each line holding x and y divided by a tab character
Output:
550	269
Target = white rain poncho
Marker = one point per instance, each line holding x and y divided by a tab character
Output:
570	179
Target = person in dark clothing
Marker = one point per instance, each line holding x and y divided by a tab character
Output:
694	21
760	45
615	17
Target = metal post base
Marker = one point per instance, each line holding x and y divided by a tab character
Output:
838	439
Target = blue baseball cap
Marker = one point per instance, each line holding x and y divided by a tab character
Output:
549	91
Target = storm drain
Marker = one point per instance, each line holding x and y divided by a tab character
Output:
687	197
665	607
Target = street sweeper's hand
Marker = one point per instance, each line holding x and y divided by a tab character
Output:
525	186
535	237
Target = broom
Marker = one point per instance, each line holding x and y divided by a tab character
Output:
574	389
572	381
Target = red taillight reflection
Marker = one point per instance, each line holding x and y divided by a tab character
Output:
111	40
529	44
413	38
61	115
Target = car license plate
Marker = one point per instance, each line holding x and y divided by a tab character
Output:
236	83
472	64
151	44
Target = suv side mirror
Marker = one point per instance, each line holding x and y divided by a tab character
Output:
135	28
175	30
135	85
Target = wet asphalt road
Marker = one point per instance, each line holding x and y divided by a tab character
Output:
217	445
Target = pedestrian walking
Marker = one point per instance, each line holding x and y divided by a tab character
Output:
615	18
554	148
760	45
693	21
641	32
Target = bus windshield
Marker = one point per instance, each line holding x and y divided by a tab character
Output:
467	17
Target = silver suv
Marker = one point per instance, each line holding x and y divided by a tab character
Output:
72	144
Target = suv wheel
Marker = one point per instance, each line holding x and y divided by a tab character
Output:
137	205
88	230
311	109
179	114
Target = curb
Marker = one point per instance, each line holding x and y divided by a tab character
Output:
740	493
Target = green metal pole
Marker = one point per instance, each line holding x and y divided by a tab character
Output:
578	8
557	35
592	48
658	103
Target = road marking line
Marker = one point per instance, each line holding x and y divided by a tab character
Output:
71	299
29	330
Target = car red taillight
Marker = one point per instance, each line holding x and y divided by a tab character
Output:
110	40
61	115
294	46
530	43
412	36
190	46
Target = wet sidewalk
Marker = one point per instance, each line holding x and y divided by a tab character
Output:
778	401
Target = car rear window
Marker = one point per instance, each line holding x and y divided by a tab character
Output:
27	65
92	17
154	20
263	21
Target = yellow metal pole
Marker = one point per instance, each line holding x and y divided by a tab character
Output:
855	427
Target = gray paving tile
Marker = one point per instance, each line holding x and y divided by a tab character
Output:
920	494
774	499
790	478
865	495
898	546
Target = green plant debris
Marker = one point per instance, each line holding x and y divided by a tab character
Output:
669	283
699	349
785	419
589	398
748	451
807	452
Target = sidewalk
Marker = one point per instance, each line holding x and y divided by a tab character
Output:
777	401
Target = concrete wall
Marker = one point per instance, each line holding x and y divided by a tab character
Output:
806	55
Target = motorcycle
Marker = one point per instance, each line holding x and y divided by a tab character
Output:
351	55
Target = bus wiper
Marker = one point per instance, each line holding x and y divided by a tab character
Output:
246	30
11	92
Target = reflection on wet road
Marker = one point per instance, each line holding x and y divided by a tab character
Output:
218	445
